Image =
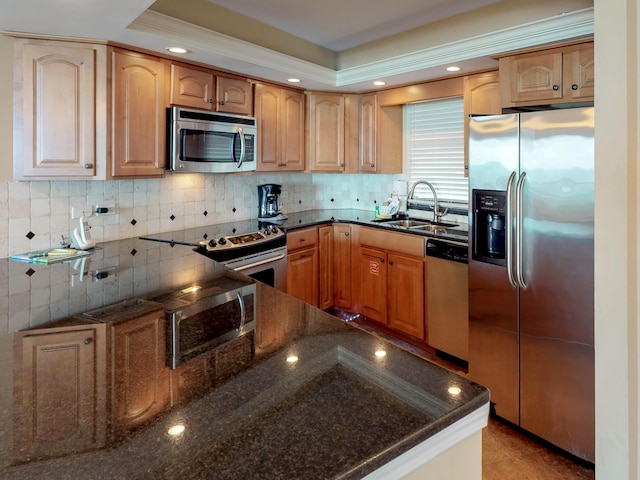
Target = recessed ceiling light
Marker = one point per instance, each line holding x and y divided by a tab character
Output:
293	80
177	50
453	69
379	83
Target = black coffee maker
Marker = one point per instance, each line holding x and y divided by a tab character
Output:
269	207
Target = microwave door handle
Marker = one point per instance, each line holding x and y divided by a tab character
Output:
240	328
242	146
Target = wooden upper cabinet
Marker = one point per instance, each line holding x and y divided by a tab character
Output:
481	97
138	114
326	120
280	116
191	87
368	132
59	88
557	75
234	95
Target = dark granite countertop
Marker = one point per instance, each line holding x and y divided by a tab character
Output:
304	219
339	411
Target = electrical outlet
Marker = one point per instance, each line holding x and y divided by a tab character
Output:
103	209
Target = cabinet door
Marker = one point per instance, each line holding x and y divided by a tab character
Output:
481	97
326	133
292	130
368	129
373	284
267	103
141	384
234	96
139	115
533	77
342	266
191	87
582	73
325	267
406	295
302	275
60	399
57	114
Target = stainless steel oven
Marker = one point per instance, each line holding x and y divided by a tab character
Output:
261	254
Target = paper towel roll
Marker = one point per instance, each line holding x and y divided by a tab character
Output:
400	187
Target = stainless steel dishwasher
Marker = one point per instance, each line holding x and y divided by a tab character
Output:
448	297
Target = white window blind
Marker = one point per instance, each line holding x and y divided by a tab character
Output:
434	149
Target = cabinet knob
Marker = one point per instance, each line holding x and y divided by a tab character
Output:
88	166
574	87
87	341
556	88
390	262
382	260
303	240
221	102
373	165
346	234
210	100
303	255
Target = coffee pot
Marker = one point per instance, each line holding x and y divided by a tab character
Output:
269	206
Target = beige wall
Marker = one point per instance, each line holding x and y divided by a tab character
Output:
617	222
6	110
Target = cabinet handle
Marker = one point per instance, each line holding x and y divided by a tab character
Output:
556	88
88	166
574	87
87	341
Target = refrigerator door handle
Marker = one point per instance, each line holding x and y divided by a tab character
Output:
509	247
519	222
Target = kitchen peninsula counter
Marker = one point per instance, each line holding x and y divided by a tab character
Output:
338	411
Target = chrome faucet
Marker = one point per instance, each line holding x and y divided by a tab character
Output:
437	215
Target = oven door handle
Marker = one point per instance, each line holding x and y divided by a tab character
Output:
240	328
261	262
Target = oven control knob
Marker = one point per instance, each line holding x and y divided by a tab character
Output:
274	229
222	241
267	231
212	243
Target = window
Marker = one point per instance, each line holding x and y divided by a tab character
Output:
434	149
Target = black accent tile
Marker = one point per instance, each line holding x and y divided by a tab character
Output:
205	236
172	217
205	213
134	251
30	235
133	222
234	210
30	272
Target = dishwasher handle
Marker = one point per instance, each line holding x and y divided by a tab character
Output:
447	250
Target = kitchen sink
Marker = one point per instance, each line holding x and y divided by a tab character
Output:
420	224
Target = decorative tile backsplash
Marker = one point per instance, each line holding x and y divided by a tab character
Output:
42	210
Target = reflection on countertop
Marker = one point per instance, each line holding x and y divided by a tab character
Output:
86	369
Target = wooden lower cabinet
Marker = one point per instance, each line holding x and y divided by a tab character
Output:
302	275
325	267
342	266
60	397
373	284
140	377
405	294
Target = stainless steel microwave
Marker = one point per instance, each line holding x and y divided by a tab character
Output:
208	142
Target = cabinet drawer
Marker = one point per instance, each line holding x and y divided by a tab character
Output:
391	241
305	238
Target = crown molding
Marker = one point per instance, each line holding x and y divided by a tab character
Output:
208	43
558	28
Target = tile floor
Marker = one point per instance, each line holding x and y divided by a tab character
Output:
507	453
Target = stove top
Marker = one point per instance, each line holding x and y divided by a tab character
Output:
240	231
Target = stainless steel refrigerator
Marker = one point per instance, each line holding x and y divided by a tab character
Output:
531	184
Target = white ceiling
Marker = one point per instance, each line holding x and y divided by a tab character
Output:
341	24
358	21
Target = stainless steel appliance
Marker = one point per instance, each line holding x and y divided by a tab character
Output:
269	206
447	294
205	317
205	142
261	254
531	179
